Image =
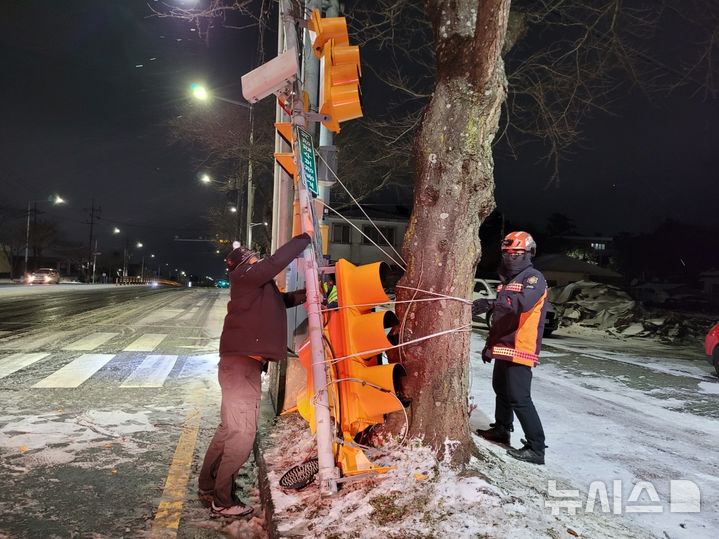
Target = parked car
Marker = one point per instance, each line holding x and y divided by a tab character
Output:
711	347
44	276
487	289
222	283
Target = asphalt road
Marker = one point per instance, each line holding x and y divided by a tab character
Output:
108	397
106	394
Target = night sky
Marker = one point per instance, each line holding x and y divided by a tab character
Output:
81	118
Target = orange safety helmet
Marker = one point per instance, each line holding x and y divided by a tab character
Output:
519	241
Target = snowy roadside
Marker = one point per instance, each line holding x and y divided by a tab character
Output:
648	414
603	436
424	497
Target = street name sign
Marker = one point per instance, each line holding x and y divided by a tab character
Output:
309	164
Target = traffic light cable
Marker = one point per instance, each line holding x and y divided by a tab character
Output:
401	266
404	263
463	328
394	303
383	390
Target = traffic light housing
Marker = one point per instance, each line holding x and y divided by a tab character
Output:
340	71
325	29
365	386
286	159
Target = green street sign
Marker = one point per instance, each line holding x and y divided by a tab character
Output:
309	164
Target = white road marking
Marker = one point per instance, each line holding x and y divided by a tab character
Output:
90	342
190	314
15	362
152	372
146	343
76	372
33	342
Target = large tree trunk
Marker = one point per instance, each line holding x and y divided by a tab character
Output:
454	193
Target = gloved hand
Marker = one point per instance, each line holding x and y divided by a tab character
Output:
486	356
480	306
301	296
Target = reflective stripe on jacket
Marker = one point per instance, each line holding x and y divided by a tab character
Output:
518	318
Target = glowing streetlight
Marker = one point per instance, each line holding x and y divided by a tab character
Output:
233	209
55	200
205	178
116	230
199	92
249	232
139	245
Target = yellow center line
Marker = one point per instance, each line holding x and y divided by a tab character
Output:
167	517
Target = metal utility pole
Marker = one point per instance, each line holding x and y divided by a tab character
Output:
94	215
27	235
250	181
328	472
327	149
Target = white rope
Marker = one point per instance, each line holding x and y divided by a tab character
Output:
402	267
361	209
466	327
383	390
445	296
392	303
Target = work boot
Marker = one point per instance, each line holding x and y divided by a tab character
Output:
496	433
527	454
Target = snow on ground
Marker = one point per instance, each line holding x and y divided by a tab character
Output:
423	497
600	430
613	452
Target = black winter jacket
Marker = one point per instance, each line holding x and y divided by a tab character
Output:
256	321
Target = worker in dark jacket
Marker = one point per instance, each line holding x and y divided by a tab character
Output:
255	331
514	341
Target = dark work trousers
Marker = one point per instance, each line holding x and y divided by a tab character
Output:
231	445
512	384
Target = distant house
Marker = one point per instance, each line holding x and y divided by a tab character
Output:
361	242
597	249
710	282
560	270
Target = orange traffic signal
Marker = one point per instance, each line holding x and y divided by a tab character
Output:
340	71
334	28
340	96
286	159
358	333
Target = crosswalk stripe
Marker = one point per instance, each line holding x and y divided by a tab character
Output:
146	343
33	342
15	362
77	371
190	314
90	342
152	372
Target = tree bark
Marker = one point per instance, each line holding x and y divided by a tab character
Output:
454	193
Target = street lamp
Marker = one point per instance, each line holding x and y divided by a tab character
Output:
55	200
201	93
142	263
249	232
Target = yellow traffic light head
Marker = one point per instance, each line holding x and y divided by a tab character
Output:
340	96
326	29
286	159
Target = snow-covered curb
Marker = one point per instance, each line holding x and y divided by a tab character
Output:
422	497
